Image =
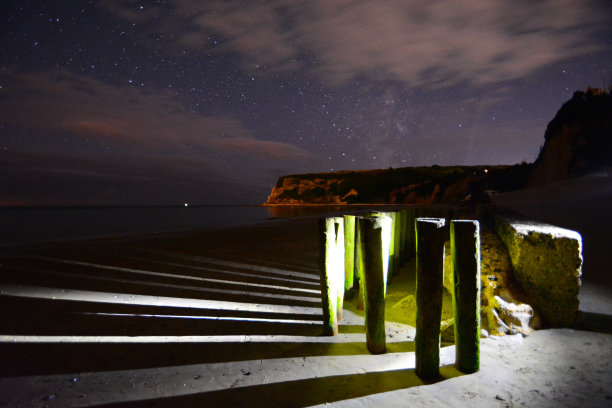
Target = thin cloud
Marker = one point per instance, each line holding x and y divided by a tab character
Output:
128	118
145	142
423	44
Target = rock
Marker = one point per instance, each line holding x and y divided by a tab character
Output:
504	308
546	263
407	303
447	331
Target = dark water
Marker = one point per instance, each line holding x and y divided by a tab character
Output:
27	225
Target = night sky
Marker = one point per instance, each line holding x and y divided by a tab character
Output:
209	102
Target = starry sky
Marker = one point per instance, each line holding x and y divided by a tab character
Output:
209	102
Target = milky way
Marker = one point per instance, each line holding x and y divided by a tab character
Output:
165	102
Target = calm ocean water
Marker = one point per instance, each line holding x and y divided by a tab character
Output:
27	225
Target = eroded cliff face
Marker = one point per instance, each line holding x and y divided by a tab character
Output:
578	140
299	190
411	185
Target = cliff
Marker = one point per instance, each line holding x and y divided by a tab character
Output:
408	185
578	140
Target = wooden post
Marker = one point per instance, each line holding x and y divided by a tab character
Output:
387	237
349	251
338	273
397	237
374	283
429	277
359	262
327	251
403	224
391	267
410	233
465	257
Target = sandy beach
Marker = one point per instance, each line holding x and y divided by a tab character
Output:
232	317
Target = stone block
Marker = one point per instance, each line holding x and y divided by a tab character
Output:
546	263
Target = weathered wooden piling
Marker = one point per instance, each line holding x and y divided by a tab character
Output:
397	236
372	230
465	257
402	247
329	272
429	278
410	233
349	251
387	236
359	262
339	265
391	267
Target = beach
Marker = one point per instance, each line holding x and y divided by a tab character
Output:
232	317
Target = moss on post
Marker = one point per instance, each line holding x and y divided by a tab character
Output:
402	247
359	262
429	278
387	238
465	257
349	251
410	233
327	249
374	283
397	238
391	267
338	268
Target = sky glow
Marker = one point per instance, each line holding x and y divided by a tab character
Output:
168	102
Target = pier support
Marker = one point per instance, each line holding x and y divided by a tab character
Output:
429	278
465	257
410	233
359	262
372	230
331	271
403	214
396	241
349	251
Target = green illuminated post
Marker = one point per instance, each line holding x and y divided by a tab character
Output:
397	236
465	257
349	251
359	262
374	283
402	248
410	233
429	277
339	265
327	269
391	267
386	223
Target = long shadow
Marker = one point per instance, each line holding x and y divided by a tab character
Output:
300	393
168	276
63	279
64	358
82	318
259	268
597	322
236	274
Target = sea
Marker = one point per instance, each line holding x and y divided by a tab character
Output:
25	225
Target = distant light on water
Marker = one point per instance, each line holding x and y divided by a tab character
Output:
186	204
